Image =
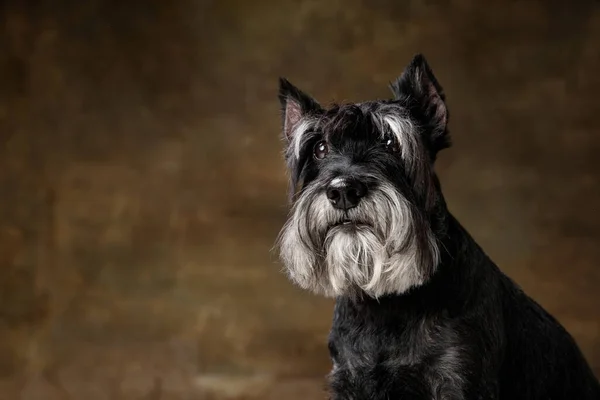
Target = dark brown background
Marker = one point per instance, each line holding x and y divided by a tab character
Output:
142	187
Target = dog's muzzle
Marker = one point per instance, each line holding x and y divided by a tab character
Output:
343	236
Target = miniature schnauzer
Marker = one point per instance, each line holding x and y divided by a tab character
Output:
421	311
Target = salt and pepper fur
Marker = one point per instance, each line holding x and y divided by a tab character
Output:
421	311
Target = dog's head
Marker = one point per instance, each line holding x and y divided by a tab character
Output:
366	203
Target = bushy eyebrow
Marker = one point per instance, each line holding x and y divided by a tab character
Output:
302	134
403	130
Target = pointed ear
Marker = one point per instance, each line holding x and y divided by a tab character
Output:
294	106
417	83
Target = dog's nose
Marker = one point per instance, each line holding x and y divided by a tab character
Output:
345	194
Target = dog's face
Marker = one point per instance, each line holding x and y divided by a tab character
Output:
365	199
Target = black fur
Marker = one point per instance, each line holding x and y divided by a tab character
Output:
468	332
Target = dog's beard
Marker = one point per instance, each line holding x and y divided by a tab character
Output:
381	247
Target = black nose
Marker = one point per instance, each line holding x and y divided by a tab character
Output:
346	194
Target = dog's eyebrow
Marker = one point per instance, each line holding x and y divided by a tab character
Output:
402	128
299	132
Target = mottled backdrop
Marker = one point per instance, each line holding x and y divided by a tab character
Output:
142	188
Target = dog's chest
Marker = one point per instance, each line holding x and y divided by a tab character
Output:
412	358
361	350
369	365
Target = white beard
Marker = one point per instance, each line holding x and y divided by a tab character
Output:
383	253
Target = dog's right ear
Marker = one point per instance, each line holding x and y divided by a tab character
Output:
295	104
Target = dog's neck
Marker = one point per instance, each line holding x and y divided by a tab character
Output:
450	288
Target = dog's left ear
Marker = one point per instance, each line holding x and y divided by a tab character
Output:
417	83
295	105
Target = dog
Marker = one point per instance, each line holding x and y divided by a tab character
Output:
420	312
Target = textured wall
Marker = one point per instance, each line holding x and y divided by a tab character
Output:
141	183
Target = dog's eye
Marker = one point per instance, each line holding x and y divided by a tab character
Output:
321	149
389	142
